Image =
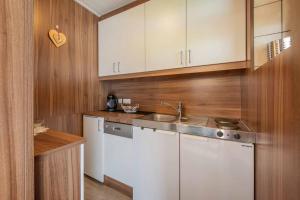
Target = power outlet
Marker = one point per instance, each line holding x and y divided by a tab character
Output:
127	101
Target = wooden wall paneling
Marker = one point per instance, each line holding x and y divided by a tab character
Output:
65	167
16	100
212	94
271	106
66	81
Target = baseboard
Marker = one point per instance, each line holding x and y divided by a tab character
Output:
117	185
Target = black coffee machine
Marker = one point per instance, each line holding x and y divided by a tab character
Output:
112	103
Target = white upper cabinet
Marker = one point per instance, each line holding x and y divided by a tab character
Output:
165	28
107	49
122	43
216	31
165	34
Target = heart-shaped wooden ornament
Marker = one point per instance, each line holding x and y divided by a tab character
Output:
57	38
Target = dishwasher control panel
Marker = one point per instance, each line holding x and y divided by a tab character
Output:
118	129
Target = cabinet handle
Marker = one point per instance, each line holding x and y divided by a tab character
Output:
181	57
154	130
190	52
118	66
116	129
114	65
99	129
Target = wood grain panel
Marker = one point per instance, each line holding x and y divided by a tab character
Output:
66	81
271	106
16	100
211	94
57	175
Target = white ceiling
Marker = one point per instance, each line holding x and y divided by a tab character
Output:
100	7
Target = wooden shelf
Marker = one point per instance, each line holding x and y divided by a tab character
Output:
180	71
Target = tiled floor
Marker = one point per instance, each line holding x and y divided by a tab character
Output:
97	191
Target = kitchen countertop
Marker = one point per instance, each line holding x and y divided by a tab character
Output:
52	141
199	126
118	116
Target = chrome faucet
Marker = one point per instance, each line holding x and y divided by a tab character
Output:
178	109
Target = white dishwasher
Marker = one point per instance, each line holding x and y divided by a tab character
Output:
118	152
215	169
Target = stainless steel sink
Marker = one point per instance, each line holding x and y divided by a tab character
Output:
162	118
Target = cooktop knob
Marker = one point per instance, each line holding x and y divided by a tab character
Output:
237	136
220	134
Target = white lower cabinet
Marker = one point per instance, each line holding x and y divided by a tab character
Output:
173	166
93	153
213	169
156	160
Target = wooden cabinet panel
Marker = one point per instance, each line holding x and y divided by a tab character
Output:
270	106
165	26
122	43
16	100
216	31
58	175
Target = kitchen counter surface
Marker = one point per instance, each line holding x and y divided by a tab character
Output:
118	116
52	141
200	126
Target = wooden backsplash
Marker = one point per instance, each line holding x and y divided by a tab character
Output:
211	94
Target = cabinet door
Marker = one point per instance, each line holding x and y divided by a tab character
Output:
216	31
165	25
215	169
93	154
108	35
131	43
156	164
122	43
